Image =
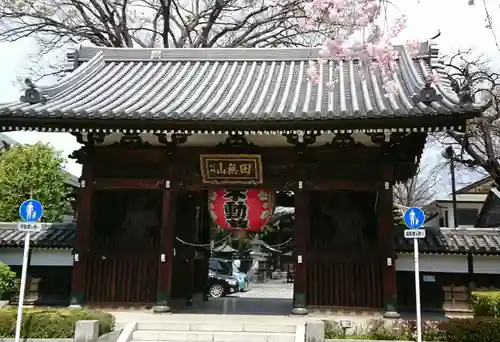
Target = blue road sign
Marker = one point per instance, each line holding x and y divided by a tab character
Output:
31	210
414	218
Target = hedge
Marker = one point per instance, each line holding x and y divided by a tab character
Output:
486	304
482	329
51	323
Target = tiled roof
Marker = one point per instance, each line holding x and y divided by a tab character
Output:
444	240
453	240
233	85
56	236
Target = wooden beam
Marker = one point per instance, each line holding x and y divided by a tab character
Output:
83	237
283	185
386	238
167	226
301	237
128	183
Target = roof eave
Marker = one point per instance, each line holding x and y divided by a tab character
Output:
12	122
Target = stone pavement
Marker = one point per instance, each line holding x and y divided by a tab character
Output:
267	302
271	289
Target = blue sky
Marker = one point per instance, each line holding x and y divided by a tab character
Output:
461	26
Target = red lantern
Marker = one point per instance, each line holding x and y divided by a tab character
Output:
246	210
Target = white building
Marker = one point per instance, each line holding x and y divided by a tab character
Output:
470	200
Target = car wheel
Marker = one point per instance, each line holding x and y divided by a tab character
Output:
216	291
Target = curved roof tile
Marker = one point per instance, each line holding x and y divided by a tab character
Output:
234	84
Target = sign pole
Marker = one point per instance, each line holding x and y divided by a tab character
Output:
414	218
22	285
417	290
30	212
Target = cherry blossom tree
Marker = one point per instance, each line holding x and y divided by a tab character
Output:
359	31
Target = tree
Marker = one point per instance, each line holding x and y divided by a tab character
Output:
154	23
7	281
476	147
420	189
33	171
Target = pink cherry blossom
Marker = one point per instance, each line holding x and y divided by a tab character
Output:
351	19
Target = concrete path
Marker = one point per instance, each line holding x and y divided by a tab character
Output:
274	289
268	302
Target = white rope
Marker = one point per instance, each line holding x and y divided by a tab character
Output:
199	245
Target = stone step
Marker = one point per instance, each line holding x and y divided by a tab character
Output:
157	327
198	336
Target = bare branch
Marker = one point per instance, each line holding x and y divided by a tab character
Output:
421	189
473	80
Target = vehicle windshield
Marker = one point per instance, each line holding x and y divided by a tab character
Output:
224	268
220	267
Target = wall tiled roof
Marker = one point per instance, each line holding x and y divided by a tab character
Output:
444	240
55	236
453	240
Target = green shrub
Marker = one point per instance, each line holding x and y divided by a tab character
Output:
385	330
51	323
486	304
481	329
7	281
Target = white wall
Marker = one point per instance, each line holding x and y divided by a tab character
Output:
433	263
449	263
486	264
447	206
39	257
55	257
11	256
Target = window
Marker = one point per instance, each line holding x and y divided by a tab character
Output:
219	267
443	219
467	217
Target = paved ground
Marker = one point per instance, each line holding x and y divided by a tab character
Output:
272	289
263	302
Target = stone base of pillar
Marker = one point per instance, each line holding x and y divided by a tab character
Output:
390	308
392	314
300	311
299	304
162	301
162	309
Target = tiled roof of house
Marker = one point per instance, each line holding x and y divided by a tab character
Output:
235	85
453	240
56	236
444	240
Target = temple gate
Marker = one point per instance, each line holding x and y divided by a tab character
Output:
144	184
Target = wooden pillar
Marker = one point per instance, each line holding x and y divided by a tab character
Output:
191	237
81	250
205	226
166	250
301	240
386	238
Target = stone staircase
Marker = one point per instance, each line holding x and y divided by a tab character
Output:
221	331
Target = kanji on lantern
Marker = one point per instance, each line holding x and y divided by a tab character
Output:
241	209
